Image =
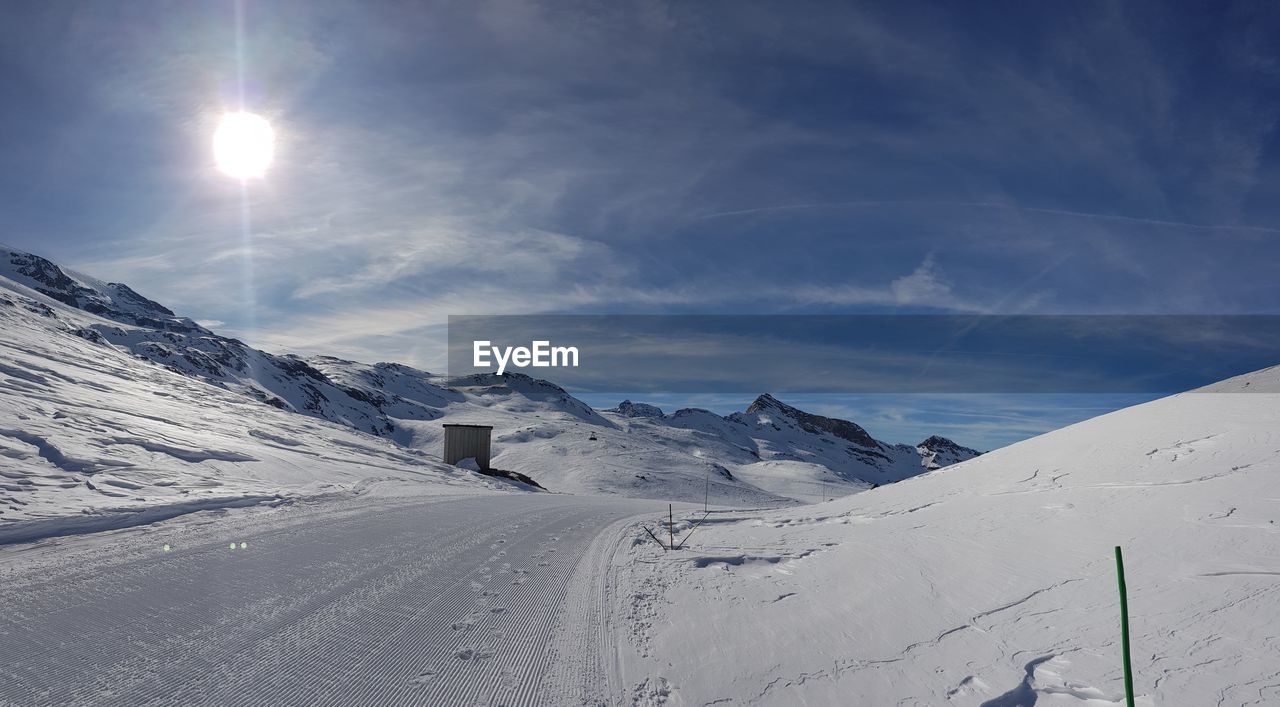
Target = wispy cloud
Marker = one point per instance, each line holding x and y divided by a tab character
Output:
526	157
924	287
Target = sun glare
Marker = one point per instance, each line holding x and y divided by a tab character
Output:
243	145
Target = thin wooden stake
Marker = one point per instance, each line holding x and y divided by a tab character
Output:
685	539
706	498
1124	629
671	525
655	537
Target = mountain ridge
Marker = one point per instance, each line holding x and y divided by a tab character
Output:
537	419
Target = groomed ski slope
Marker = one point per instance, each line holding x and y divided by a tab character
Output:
496	599
991	582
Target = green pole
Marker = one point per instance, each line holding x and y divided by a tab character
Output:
1124	629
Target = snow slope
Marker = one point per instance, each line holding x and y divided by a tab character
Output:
93	437
991	582
130	322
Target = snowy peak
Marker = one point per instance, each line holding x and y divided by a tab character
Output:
114	301
399	391
768	403
937	452
626	408
936	442
539	395
151	331
785	432
848	431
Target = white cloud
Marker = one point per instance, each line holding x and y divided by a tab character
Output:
924	287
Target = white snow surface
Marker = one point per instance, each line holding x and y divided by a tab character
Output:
991	582
496	599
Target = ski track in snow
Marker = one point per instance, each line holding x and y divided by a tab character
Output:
495	600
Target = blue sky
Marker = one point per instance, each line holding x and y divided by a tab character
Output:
516	157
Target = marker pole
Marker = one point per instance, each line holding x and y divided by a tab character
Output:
1124	629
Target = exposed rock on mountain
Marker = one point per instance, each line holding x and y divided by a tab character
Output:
937	452
626	408
766	404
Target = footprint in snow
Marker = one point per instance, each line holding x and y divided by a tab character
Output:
473	653
465	624
424	677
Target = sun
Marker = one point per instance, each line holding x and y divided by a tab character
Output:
243	145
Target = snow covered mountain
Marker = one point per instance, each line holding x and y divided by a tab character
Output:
110	300
785	432
94	437
626	408
148	330
937	452
770	453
